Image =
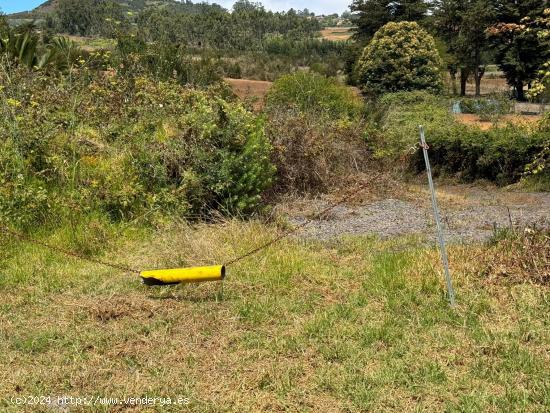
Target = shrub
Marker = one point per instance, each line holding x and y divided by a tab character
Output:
401	56
538	171
23	202
313	154
313	93
499	154
396	130
315	126
165	147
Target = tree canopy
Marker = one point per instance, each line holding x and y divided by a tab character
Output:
520	51
247	27
401	56
373	14
462	25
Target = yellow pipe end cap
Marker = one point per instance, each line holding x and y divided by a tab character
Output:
183	275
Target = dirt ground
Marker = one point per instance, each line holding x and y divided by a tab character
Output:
471	119
469	213
254	90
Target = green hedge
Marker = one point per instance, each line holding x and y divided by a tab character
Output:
501	154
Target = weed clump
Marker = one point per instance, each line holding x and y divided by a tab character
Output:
315	125
519	256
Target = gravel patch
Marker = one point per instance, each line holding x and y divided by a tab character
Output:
393	217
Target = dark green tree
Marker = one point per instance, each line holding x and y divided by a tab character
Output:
371	15
400	56
88	17
519	53
462	24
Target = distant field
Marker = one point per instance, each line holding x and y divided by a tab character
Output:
471	119
489	86
337	33
254	90
93	43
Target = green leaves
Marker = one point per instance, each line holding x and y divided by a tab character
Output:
312	93
401	56
125	147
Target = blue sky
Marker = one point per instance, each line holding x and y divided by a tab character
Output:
318	6
12	6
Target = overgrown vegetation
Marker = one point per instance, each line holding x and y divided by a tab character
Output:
315	125
249	40
165	148
141	156
23	46
316	94
519	256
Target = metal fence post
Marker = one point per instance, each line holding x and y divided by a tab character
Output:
442	248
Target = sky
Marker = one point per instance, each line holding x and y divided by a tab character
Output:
317	6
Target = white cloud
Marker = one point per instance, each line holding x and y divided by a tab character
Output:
317	6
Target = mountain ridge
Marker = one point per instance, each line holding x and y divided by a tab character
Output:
49	7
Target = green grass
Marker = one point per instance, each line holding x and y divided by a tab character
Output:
349	325
95	42
535	183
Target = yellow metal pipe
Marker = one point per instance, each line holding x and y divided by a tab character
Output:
183	275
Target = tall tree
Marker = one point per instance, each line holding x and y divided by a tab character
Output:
373	14
541	86
88	17
462	25
401	56
519	53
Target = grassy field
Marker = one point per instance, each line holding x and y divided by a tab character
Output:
355	324
337	33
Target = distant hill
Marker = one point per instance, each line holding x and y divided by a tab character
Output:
50	6
44	9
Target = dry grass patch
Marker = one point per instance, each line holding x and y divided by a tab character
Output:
520	120
520	256
337	33
252	91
